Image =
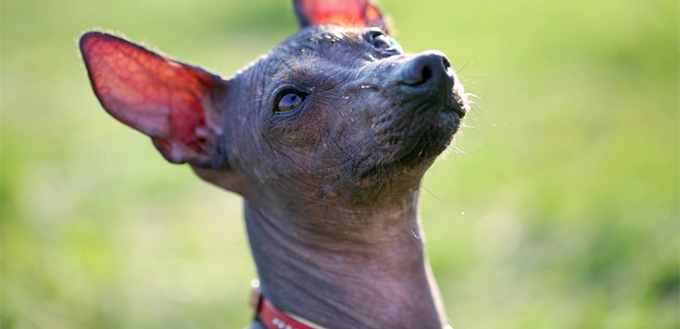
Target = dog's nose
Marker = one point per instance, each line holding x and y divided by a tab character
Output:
427	68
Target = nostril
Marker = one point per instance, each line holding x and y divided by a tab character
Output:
426	74
429	68
447	64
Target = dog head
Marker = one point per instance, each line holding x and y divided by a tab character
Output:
335	112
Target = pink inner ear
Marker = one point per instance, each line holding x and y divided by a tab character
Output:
156	95
345	13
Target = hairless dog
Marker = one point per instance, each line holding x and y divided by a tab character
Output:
327	138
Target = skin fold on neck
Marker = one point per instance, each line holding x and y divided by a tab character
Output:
345	268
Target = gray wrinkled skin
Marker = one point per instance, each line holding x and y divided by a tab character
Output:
331	190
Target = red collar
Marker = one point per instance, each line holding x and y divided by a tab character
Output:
272	317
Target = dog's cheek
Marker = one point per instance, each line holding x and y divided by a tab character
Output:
293	133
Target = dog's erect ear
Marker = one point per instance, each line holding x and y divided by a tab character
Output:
345	13
176	104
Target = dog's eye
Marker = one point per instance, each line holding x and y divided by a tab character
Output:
382	42
289	102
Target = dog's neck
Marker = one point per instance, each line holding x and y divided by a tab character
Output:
371	272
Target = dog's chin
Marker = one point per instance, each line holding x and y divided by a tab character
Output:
434	137
422	140
433	140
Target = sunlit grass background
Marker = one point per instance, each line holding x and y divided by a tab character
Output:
557	208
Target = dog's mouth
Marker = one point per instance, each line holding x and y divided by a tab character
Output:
408	140
432	118
431	136
458	102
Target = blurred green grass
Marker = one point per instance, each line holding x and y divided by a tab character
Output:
557	208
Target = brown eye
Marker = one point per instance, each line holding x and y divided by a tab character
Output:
382	42
289	102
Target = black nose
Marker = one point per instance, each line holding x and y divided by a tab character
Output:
427	68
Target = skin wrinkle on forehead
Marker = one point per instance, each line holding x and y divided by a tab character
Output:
320	40
297	68
315	56
311	70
